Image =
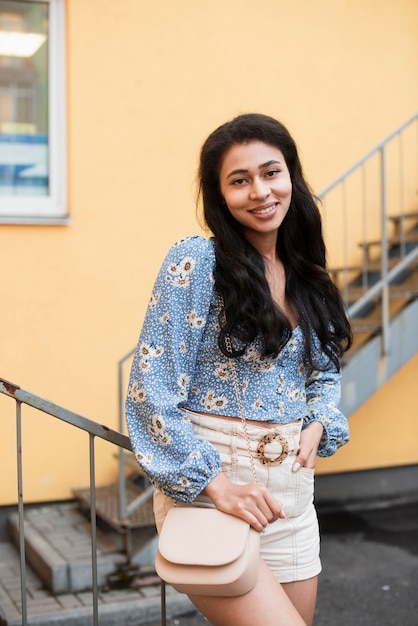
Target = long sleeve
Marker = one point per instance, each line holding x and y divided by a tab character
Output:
323	390
162	372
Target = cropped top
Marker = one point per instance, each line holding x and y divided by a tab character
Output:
178	365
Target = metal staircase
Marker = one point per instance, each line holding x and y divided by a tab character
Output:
375	262
385	325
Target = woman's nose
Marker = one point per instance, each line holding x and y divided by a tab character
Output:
260	190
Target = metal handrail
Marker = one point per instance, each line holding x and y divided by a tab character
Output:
368	155
94	429
382	286
46	406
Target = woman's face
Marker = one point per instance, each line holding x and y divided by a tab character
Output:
255	184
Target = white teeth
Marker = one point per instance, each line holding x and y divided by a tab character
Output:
262	211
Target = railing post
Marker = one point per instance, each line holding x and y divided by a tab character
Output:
21	513
122	492
123	509
345	239
401	231
365	257
93	532
385	256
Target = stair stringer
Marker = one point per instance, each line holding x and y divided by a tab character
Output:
367	370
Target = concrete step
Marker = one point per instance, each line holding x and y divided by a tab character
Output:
136	533
58	547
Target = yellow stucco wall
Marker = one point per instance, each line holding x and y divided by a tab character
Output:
147	81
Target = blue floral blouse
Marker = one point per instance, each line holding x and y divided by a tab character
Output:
178	364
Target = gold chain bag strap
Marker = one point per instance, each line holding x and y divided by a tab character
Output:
204	551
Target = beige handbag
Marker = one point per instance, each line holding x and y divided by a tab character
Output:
207	552
204	551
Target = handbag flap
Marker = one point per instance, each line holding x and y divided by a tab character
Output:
204	536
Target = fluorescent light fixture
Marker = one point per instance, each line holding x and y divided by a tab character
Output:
13	44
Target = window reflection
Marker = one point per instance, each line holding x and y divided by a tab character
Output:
24	98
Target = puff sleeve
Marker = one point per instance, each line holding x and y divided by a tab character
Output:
161	435
323	391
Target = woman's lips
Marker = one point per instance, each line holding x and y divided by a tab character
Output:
263	210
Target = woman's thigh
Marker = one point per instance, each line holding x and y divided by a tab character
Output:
266	604
303	596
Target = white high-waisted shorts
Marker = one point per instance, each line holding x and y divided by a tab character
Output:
290	546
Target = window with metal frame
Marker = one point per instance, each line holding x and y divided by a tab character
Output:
32	112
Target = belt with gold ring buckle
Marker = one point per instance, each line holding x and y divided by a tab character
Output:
269	438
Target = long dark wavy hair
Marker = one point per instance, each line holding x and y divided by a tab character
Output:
249	310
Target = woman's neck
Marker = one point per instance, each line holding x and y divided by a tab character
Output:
264	243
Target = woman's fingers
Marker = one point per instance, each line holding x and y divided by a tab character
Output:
309	442
253	502
262	505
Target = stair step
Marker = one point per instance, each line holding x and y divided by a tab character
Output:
366	325
410	238
399	220
406	289
58	547
353	275
107	506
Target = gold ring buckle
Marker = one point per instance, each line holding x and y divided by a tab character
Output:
268	439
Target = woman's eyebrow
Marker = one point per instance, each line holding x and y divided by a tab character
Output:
244	171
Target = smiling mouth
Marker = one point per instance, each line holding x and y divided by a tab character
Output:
264	210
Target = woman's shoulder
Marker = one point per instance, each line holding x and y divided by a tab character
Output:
189	263
195	246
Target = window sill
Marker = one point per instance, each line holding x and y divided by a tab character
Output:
35	221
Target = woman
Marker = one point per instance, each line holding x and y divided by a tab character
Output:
260	285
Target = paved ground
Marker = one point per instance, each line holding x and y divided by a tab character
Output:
370	578
370	561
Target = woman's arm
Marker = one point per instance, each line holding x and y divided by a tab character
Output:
162	372
323	391
325	428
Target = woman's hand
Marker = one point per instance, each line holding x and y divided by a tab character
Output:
309	442
253	503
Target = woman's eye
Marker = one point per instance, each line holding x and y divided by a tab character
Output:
239	181
272	173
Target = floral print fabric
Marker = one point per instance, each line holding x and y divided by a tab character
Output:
178	364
